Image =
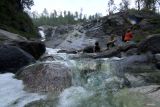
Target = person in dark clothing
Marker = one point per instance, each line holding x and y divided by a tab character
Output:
97	47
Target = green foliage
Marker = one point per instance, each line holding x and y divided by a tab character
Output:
60	18
14	19
152	5
154	21
156	31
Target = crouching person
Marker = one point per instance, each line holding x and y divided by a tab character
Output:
111	42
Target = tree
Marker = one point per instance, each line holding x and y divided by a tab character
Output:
45	12
65	13
55	13
81	14
124	5
34	14
149	4
76	15
138	3
26	3
111	6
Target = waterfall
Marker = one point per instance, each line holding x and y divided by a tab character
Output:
42	34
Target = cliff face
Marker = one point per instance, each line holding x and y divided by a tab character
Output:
14	19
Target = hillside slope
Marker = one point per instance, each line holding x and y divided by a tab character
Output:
14	19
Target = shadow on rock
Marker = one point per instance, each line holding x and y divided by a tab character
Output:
13	58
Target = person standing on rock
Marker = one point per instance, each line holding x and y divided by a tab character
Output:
97	47
128	36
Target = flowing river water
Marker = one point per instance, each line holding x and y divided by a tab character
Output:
95	83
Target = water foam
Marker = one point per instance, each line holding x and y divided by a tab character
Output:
12	93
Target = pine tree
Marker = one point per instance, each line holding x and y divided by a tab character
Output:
149	4
124	5
110	6
138	3
27	3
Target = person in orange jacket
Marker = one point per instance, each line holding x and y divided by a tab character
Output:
128	36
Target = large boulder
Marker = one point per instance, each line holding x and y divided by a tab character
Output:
88	49
45	77
13	58
115	51
5	35
151	43
63	29
35	48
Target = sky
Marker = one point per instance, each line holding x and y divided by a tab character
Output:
90	7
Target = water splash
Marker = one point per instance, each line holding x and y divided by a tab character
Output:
73	97
12	93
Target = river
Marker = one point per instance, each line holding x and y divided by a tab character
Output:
95	83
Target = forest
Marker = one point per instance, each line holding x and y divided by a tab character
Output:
66	17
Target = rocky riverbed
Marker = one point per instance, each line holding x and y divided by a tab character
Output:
59	72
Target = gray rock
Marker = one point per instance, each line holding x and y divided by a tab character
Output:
47	58
152	91
135	80
157	64
35	48
151	43
132	51
45	77
5	35
13	58
115	51
157	57
67	51
88	49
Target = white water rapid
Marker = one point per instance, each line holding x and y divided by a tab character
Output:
95	83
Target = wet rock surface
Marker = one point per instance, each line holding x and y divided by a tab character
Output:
45	77
152	91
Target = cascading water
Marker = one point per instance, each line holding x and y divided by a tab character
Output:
42	34
95	83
